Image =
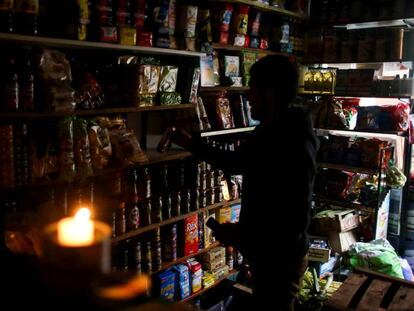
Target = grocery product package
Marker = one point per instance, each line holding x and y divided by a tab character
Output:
127	149
377	255
55	78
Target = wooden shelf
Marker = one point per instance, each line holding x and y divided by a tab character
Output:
266	8
151	227
182	259
390	134
342	203
89	45
154	157
228	131
353	95
374	64
227	47
233	272
92	112
347	168
216	89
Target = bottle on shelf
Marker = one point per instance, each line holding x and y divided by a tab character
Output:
166	206
11	87
27	17
156	212
27	88
7	18
176	204
120	219
145	211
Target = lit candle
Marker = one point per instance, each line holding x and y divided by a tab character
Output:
76	231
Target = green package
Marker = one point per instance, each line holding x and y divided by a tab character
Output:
169	98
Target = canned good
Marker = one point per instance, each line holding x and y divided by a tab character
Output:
166	206
203	199
210	196
185	202
176	204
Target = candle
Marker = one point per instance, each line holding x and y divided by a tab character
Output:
76	231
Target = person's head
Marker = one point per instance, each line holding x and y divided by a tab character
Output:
273	86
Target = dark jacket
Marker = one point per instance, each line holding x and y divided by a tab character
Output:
278	167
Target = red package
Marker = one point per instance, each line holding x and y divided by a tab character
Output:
247	42
339	183
264	44
191	235
224	37
144	38
109	34
398	115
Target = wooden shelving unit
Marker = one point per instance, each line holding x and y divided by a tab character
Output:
227	47
182	259
233	272
228	131
89	45
266	8
347	168
154	157
92	112
216	89
151	227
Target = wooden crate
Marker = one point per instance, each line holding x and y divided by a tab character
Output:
366	290
343	221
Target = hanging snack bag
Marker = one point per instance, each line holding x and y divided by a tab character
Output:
223	112
101	149
225	17
241	19
168	80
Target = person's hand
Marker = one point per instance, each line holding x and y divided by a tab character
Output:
225	234
181	138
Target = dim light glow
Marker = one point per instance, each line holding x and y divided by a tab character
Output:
77	231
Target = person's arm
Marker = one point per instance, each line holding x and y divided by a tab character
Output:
229	161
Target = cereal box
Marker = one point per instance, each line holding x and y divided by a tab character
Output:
182	282
191	235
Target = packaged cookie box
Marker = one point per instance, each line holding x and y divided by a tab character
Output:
221	272
223	215
189	235
166	285
214	254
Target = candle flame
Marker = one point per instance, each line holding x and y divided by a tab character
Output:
83	214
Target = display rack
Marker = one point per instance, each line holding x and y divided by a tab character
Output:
381	188
89	45
151	227
265	7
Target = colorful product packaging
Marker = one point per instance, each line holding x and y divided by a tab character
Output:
196	275
224	215
166	283
235	213
231	66
191	235
182	282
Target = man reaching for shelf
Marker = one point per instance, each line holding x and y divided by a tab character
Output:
278	166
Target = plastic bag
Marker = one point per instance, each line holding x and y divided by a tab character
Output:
55	77
127	149
377	255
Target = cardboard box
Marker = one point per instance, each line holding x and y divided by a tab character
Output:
319	249
166	285
191	235
214	254
224	215
341	241
221	272
182	282
340	222
214	264
319	254
235	213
